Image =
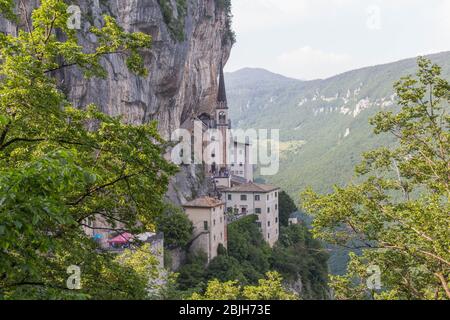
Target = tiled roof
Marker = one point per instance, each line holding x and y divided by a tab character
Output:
252	187
204	202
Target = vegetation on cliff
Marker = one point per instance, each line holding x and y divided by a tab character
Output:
175	23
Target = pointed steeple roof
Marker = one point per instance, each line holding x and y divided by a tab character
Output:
222	95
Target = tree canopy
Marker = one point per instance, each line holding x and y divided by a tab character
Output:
62	167
287	208
399	212
269	288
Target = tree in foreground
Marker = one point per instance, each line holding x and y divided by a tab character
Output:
270	288
399	214
62	167
287	208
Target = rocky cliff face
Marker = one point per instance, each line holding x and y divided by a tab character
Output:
183	63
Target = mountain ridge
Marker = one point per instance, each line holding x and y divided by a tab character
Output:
324	124
262	70
315	110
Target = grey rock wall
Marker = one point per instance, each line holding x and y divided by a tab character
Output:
183	75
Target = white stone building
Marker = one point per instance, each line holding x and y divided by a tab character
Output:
258	199
240	161
225	159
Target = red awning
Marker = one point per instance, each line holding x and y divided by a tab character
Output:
122	238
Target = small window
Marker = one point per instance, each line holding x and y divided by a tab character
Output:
257	197
230	197
268	210
268	223
205	225
214	222
258	210
276	220
276	194
241	164
268	236
243	197
268	196
276	207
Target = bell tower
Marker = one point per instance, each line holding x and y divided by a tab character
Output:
222	121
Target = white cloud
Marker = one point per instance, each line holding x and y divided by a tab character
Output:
319	38
310	63
252	15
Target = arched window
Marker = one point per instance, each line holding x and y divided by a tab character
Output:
222	117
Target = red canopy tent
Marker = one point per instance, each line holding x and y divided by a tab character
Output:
121	238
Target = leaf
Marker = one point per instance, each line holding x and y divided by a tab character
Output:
3	120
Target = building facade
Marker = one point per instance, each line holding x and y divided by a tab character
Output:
228	163
260	200
224	158
208	217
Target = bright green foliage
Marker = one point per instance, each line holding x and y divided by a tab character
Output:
61	167
217	290
143	262
176	226
270	288
399	213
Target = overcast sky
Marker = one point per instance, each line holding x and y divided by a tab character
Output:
309	39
